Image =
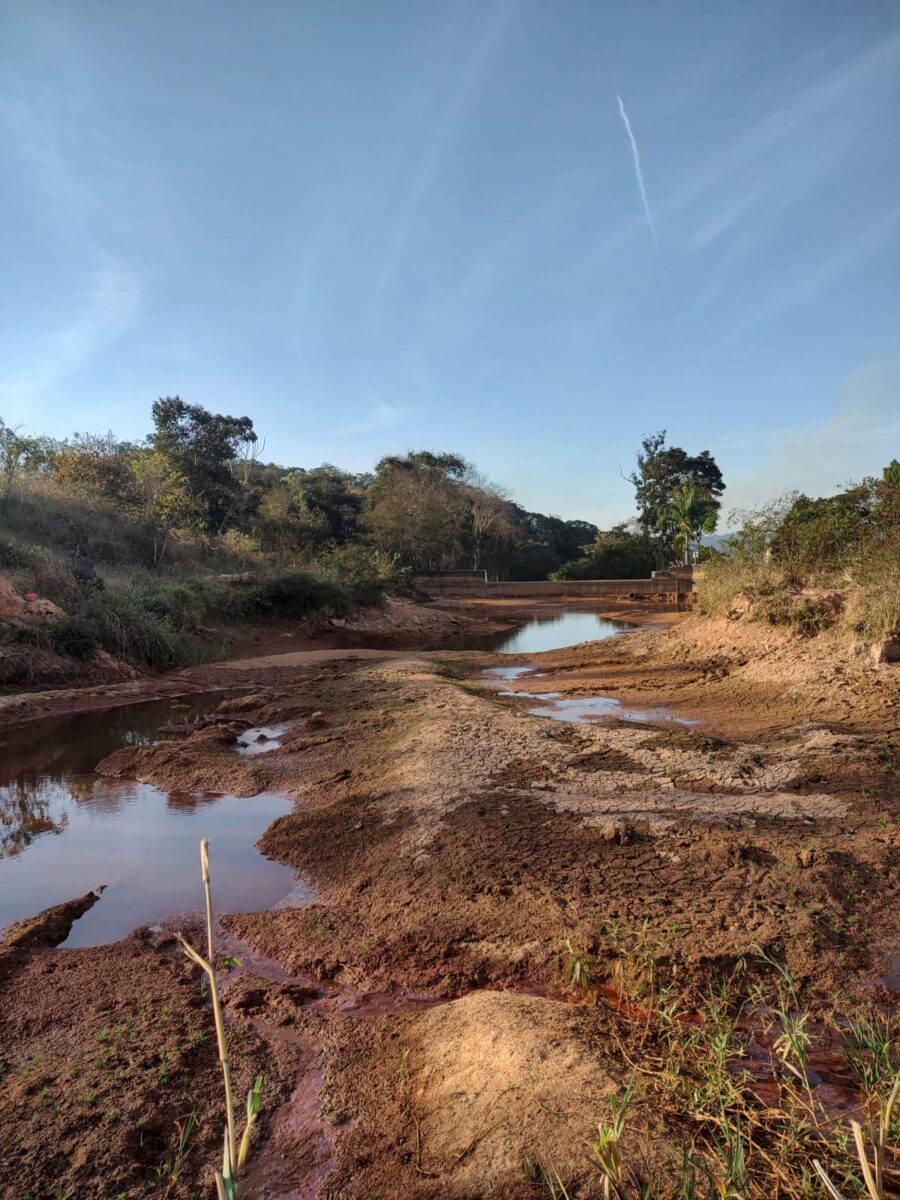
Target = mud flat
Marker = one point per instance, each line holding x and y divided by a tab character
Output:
499	906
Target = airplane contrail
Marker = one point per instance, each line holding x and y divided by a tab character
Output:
635	154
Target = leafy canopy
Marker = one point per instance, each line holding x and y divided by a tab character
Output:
661	471
202	446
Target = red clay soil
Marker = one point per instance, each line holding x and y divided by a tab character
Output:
465	850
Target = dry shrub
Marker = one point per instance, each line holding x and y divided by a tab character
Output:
55	582
873	599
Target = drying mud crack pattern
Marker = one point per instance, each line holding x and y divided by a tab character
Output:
507	922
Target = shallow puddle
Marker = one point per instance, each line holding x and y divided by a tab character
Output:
582	709
505	673
552	631
261	739
65	831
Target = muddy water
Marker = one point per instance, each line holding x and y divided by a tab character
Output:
553	631
65	831
579	709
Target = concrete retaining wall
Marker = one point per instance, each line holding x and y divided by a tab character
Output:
662	587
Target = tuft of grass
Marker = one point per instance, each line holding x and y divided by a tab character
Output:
687	1055
578	965
607	1146
170	1170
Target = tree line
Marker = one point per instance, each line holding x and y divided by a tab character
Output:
200	474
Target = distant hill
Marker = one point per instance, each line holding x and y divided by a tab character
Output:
716	540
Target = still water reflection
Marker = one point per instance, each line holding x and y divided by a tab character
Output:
545	632
65	830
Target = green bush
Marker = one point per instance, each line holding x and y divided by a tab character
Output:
129	630
73	636
293	595
183	605
848	543
366	592
873	588
17	555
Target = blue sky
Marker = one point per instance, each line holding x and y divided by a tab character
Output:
375	225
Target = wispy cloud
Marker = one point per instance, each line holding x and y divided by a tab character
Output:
109	304
381	415
638	173
856	439
755	164
66	171
799	290
439	138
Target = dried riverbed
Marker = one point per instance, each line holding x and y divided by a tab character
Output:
453	839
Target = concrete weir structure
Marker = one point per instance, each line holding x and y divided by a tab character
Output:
663	587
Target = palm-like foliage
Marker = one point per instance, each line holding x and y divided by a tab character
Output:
689	512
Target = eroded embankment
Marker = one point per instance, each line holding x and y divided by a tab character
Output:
456	842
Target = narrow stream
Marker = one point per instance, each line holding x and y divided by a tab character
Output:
65	831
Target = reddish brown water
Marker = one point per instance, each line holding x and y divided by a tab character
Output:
65	831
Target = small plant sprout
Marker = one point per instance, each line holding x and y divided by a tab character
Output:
578	968
171	1170
553	1183
403	1069
233	1156
607	1147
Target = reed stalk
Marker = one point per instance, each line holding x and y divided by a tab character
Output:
233	1158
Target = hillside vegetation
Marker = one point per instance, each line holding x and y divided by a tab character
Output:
142	546
812	565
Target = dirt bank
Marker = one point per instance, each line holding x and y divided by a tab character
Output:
76	686
740	680
467	851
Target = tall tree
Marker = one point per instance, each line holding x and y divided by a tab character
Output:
686	515
418	509
162	498
492	532
662	470
202	446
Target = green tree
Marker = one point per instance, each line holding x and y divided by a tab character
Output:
202	447
162	498
545	543
417	510
661	470
622	552
818	535
686	515
336	496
